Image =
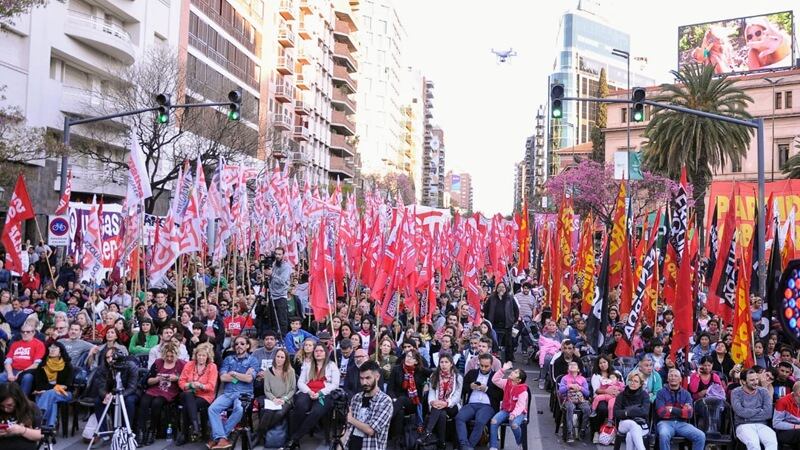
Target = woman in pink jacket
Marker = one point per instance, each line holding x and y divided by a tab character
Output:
514	407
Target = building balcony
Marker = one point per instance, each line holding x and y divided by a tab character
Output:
408	125
342	124
303	31
284	93
303	57
95	32
301	133
343	33
341	52
340	166
302	108
285	65
286	37
342	100
340	145
299	157
281	122
305	6
342	77
286	9
301	82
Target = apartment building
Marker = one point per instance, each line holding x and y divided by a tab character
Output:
55	62
433	153
458	186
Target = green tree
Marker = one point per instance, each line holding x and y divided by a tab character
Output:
598	138
703	145
11	8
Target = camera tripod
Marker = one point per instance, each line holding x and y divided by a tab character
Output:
122	436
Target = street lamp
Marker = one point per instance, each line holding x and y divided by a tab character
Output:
623	54
773	82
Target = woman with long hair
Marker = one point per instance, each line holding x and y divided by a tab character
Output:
52	382
109	341
318	379
123	335
162	389
88	332
198	382
345	332
444	397
303	356
367	334
602	385
144	339
280	385
385	357
197	337
406	386
21	418
30	279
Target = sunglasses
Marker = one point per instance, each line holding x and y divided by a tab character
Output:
27	331
241	343
756	34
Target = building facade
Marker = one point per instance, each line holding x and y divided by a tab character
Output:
458	187
778	105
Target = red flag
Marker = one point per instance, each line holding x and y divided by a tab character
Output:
619	237
721	290
63	202
742	320
20	209
682	329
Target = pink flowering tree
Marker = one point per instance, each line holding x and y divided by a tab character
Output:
594	190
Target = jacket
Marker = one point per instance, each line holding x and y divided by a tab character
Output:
130	378
454	399
395	389
632	405
694	384
652	384
64	378
208	379
786	414
510	312
674	405
352	382
566	380
495	394
521	405
331	378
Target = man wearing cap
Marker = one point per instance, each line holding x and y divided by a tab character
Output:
325	339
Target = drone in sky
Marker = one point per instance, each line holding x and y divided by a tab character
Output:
504	55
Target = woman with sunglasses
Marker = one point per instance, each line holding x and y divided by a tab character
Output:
20	419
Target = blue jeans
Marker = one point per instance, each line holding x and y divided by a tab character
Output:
24	379
494	427
482	413
223	403
48	402
666	429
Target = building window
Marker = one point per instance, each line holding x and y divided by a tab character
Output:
783	154
788	100
736	165
778	102
623	115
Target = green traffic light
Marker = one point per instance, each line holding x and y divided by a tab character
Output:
162	118
638	116
557	113
233	115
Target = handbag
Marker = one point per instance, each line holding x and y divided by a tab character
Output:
576	397
607	434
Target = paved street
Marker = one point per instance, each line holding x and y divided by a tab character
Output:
541	430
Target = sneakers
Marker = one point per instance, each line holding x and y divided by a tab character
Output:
596	438
222	444
593	414
570	438
541	384
211	443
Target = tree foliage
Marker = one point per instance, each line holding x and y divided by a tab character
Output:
393	184
11	8
594	190
598	137
191	132
703	145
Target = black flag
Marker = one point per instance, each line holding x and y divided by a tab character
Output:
598	319
774	271
756	244
713	246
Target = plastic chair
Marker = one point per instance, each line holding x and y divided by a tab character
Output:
714	417
523	426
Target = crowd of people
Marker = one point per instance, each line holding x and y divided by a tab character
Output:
208	358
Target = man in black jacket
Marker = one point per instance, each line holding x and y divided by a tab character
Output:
561	363
344	358
503	312
481	401
352	382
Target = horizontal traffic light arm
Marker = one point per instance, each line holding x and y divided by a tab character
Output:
108	117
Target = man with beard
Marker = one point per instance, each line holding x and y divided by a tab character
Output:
502	311
279	290
370	412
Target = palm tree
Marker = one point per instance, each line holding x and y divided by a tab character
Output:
791	168
703	145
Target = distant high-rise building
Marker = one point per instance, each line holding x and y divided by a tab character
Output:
458	186
413	128
520	171
380	129
585	42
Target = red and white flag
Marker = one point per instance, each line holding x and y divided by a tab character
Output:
138	180
92	261
19	210
63	202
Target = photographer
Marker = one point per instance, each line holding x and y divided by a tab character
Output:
279	289
370	411
116	361
19	420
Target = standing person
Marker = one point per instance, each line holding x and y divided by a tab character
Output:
514	407
752	411
370	411
237	374
483	399
317	380
21	417
502	311
632	409
198	382
444	398
279	289
674	406
786	418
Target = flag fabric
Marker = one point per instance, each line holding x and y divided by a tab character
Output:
597	322
713	244
63	202
20	209
722	289
684	326
774	272
586	264
524	238
624	347
92	261
742	320
138	179
618	237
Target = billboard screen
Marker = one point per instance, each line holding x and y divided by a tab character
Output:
739	45
455	183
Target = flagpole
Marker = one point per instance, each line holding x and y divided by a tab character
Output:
49	267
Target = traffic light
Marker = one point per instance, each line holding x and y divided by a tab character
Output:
637	111
164	104
556	94
235	97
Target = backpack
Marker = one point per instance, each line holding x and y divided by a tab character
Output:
276	436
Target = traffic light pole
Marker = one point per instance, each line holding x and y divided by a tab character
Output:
758	125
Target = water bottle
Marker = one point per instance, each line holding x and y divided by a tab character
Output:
169	433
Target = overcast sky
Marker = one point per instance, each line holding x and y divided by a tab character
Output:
487	110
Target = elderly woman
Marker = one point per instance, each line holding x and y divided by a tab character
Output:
198	382
632	409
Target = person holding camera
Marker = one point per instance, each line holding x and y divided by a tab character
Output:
116	361
162	388
370	411
19	419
